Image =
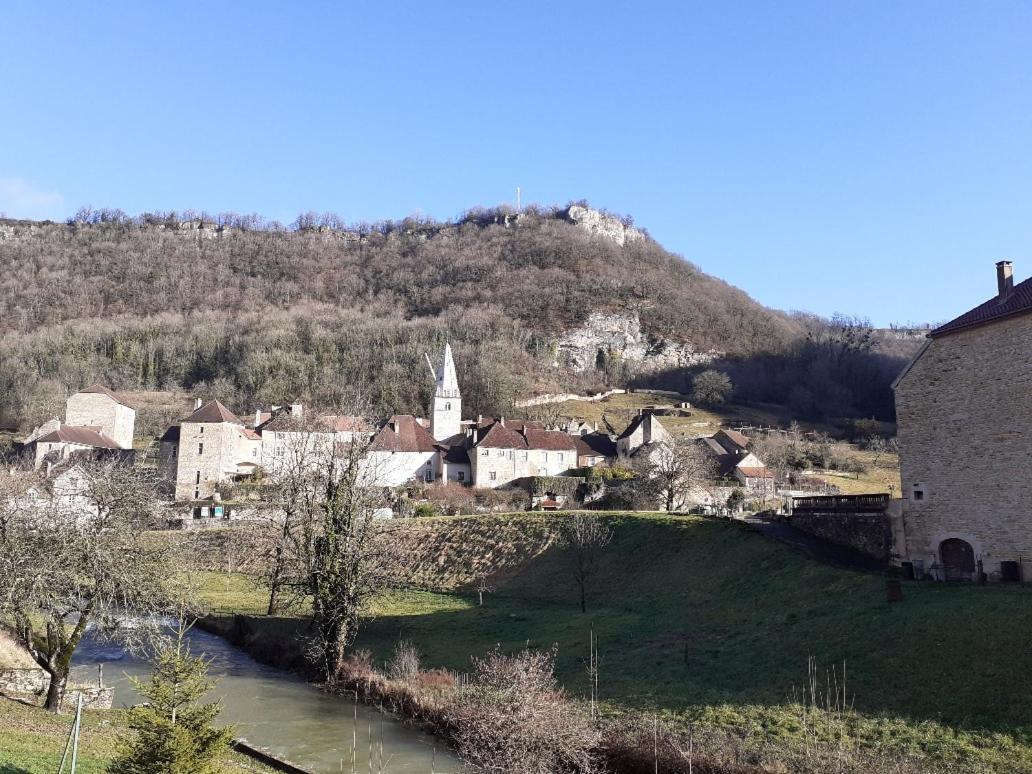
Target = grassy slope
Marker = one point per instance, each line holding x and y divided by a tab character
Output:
697	617
32	741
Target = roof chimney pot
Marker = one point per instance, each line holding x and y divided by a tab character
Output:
197	403
1005	278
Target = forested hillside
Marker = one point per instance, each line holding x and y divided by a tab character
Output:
250	312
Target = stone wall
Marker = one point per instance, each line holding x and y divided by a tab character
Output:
868	533
964	412
23	682
36	682
93	409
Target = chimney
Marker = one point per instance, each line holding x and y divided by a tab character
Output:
396	426
197	403
501	421
257	417
480	419
1005	278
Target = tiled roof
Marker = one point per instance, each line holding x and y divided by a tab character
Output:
526	435
345	424
736	438
83	436
100	389
212	413
1017	301
757	472
595	445
250	435
403	433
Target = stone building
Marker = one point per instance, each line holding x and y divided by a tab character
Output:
644	430
964	410
100	408
213	447
403	451
736	461
502	452
446	404
97	422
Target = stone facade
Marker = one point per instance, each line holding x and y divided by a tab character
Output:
213	452
964	408
868	533
493	467
100	410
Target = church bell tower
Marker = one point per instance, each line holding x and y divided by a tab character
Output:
446	405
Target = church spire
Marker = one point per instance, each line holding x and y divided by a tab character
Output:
446	405
447	379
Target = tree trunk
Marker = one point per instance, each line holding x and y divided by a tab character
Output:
56	691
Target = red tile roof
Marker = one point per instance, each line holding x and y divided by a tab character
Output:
403	433
345	424
83	436
213	412
757	472
1017	301
525	435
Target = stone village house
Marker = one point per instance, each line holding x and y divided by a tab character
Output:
964	413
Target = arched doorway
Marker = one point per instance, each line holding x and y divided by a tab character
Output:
958	560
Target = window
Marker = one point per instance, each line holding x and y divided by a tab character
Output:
197	494
524	456
546	456
198	480
501	452
483	452
560	456
200	449
428	476
493	476
460	476
429	463
447	406
918	494
201	431
280	451
254	452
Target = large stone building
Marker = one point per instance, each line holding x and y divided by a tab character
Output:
502	452
97	422
213	447
964	408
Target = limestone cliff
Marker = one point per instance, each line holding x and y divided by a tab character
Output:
607	337
603	224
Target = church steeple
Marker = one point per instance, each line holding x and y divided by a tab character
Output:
446	405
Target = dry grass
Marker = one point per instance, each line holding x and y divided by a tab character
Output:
882	475
13	655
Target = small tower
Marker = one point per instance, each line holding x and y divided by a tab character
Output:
446	405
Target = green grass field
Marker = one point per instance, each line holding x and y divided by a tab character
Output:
32	741
698	618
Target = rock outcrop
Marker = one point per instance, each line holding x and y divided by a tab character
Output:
607	337
602	224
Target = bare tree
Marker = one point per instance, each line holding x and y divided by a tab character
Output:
585	537
329	547
77	556
679	468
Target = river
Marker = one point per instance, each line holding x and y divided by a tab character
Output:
277	711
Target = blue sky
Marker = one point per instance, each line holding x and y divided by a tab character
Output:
869	158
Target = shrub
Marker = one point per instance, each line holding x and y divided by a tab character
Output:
404	663
514	717
424	510
711	388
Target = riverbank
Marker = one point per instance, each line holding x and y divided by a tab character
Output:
703	624
32	741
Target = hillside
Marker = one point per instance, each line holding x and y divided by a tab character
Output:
253	312
720	640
